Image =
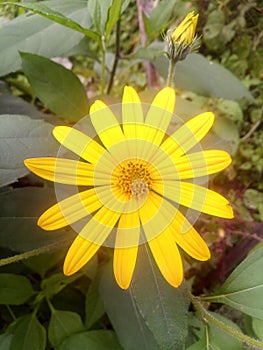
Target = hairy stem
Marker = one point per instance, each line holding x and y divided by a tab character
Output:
117	56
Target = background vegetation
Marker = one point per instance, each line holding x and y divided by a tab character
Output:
100	46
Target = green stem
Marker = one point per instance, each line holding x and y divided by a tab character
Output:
172	64
26	255
207	317
11	312
103	61
117	56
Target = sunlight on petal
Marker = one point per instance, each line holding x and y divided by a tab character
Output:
196	197
190	241
125	253
70	210
132	113
79	254
79	143
188	135
105	123
167	257
65	171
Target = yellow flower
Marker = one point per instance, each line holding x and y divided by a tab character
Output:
136	175
185	32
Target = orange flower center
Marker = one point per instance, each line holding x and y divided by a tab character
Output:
133	178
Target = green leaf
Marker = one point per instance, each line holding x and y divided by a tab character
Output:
19	211
215	338
257	326
59	88
244	287
62	324
155	313
22	137
14	289
40	35
113	16
5	341
227	131
159	18
55	16
28	334
95	340
131	328
55	283
94	307
98	10
163	307
198	74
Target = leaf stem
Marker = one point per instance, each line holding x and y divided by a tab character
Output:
207	317
29	254
103	62
117	56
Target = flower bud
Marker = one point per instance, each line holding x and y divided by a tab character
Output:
181	40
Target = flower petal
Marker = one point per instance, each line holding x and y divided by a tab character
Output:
106	124
132	113
201	164
79	254
100	225
65	171
78	143
70	210
160	114
190	241
126	248
196	197
167	257
188	135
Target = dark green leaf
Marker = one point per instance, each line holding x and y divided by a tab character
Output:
94	307
56	86
14	289
132	331
156	313
95	340
55	283
244	287
19	211
196	73
28	334
214	337
5	341
55	16
163	307
22	137
40	35
113	16
62	324
159	18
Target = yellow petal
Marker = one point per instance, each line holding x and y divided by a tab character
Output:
201	164
167	257
160	114
78	143
132	113
190	241
106	124
196	197
65	171
79	254
188	135
70	210
100	225
126	248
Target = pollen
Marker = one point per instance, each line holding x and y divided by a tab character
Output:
133	178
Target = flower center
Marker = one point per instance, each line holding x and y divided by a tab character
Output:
134	178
